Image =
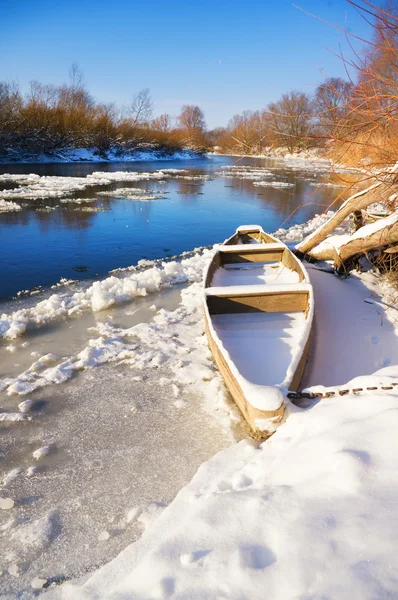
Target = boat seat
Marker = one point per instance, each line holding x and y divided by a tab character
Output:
256	290
247	248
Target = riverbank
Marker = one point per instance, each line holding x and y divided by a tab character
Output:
298	514
303	159
93	155
252	512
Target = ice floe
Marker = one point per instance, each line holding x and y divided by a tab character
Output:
6	206
103	294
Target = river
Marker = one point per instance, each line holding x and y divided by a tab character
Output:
52	239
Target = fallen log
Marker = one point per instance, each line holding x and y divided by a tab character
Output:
374	193
383	232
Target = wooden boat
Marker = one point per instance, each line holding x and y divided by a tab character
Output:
258	305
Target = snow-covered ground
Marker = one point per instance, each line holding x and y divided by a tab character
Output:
310	513
313	160
92	155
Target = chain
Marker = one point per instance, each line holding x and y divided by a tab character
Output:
342	392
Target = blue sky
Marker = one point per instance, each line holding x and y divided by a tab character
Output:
225	56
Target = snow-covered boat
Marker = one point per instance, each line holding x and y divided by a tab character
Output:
259	306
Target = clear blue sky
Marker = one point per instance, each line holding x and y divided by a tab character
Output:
224	55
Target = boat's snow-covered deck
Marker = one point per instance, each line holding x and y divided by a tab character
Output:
261	345
253	274
248	242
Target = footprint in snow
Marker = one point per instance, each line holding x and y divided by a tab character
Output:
193	557
384	362
253	557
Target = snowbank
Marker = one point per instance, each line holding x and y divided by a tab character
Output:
92	155
311	512
108	292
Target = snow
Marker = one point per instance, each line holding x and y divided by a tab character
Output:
297	233
13	417
103	294
237	247
132	194
41	452
6	503
309	513
65	155
9	206
11	475
244	172
288	514
298	515
336	241
35	187
243	274
270	339
274	184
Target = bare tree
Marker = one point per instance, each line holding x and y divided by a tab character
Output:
76	77
141	108
192	118
291	120
331	103
10	104
162	123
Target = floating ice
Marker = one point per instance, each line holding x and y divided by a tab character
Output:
9	206
274	184
106	293
6	503
43	451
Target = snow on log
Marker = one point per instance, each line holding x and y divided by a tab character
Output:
376	192
383	232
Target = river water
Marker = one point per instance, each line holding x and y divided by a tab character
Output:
49	239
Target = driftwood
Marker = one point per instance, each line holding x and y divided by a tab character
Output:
378	191
365	239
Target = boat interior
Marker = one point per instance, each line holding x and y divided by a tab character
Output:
258	299
255	264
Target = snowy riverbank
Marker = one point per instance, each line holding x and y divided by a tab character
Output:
255	516
312	511
299	514
66	155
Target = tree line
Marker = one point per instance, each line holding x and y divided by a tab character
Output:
49	118
353	119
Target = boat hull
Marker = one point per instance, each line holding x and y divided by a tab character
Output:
270	314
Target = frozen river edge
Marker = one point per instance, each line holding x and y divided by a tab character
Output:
158	345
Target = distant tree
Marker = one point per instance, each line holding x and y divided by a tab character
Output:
10	105
192	118
291	120
141	108
162	123
214	136
331	101
76	77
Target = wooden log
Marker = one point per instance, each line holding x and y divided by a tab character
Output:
366	239
378	191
